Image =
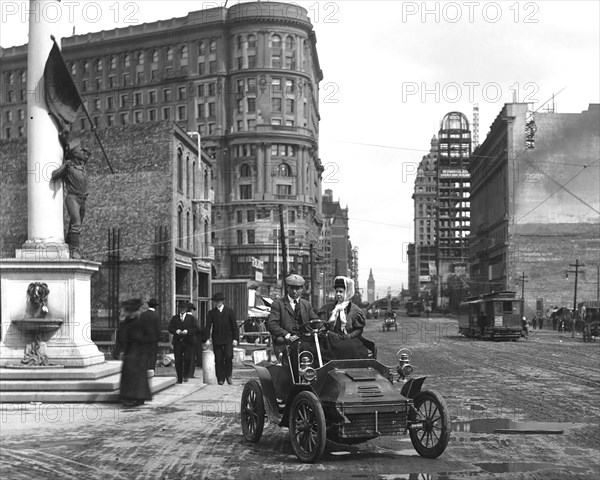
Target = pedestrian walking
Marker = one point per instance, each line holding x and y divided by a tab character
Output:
534	322
482	322
152	319
183	327
223	330
135	338
191	308
542	318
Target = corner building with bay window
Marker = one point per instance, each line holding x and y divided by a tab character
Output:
246	78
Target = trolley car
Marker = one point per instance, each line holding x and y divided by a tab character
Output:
493	316
414	308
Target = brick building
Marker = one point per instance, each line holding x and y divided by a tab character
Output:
535	205
246	79
148	224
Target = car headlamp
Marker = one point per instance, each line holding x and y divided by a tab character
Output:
309	374
306	360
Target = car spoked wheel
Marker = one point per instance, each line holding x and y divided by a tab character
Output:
252	411
429	424
307	427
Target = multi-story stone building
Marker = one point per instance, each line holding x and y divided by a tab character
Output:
423	252
535	206
246	79
453	210
148	224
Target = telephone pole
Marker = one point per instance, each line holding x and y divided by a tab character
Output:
576	272
523	280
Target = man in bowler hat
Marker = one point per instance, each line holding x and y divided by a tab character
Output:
152	320
183	327
222	327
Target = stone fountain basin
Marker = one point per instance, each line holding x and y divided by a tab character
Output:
38	325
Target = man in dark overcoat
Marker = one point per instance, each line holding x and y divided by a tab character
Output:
183	327
222	328
152	320
289	312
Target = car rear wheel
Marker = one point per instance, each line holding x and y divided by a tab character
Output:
252	411
307	427
431	413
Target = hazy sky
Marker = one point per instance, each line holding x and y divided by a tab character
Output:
392	70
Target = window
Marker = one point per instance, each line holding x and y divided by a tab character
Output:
112	81
200	90
181	93
110	120
252	85
179	170
124	118
137	99
250	234
240	216
290	63
152	115
240	106
289	86
240	237
9	116
240	63
240	125
289	123
251	105
211	109
137	116
276	105
213	46
98	66
98	84
245	192
123	101
85	67
152	96
126	78
245	170
212	67
201	48
212	88
251	124
251	61
181	113
140	58
251	41
154	56
73	69
169	54
21	114
183	55
139	77
166	113
96	104
276	121
166	95
201	69
284	170
284	190
201	113
276	85
275	41
153	74
211	128
126	60
240	42
291	216
276	61
289	42
250	215
289	106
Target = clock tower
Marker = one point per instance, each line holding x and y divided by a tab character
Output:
371	287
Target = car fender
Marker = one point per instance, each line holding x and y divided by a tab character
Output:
295	390
266	383
412	387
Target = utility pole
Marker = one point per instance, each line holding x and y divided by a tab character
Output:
284	252
523	281
576	272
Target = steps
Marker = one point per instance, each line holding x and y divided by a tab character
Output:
97	383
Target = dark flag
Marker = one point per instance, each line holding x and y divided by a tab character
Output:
60	92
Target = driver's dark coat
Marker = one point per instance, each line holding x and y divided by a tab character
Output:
281	319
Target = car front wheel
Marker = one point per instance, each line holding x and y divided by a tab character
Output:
252	411
430	424
307	427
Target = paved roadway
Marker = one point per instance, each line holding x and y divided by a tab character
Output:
193	432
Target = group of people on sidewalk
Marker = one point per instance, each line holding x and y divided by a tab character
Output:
139	334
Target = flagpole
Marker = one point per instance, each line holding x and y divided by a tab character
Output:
90	120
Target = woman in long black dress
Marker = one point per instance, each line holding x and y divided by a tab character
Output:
135	342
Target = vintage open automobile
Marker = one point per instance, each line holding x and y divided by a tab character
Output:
347	401
389	321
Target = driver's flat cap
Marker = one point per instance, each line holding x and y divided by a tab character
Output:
294	280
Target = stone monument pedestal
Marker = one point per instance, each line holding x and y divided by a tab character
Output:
65	330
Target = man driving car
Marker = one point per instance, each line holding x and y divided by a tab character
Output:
289	312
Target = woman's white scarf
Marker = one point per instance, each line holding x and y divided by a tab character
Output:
340	309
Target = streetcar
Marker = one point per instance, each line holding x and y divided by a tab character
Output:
491	316
414	308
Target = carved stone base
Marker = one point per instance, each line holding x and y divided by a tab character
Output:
69	282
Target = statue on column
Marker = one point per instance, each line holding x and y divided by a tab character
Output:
74	176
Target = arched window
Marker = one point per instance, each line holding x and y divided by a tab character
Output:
73	69
245	170
183	54
140	58
98	65
126	60
154	56
240	42
24	76
251	41
179	170
193	179
289	42
213	46
10	78
188	237
85	67
179	226
169	54
284	170
112	63
202	48
275	41
187	175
